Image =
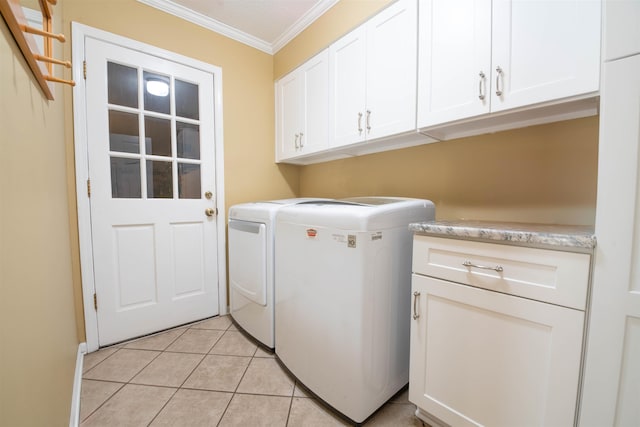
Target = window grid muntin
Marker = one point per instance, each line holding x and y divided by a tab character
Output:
142	112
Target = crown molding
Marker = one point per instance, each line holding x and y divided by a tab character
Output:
182	12
301	24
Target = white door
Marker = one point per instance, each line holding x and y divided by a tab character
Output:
347	88
544	50
151	156
485	358
392	38
455	60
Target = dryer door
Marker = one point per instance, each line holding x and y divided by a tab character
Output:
248	259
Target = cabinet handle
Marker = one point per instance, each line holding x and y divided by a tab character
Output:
416	294
296	141
359	122
499	77
368	121
301	143
469	264
481	86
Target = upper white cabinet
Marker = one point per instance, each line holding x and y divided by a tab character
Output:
372	77
455	60
484	56
622	35
302	109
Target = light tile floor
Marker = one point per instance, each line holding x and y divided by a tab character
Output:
205	374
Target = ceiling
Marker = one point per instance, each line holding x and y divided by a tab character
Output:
267	25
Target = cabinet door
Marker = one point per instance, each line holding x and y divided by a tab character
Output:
485	358
612	367
622	33
347	89
454	60
391	73
315	125
545	50
288	115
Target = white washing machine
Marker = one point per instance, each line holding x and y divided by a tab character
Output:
343	292
251	266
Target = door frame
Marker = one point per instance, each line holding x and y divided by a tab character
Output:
79	33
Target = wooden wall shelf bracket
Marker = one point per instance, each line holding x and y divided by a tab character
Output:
41	63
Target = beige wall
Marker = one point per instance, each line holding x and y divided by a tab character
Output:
339	20
543	174
38	342
248	99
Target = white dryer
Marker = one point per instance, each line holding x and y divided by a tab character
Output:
251	258
343	292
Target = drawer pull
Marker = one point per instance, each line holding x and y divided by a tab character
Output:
497	268
416	294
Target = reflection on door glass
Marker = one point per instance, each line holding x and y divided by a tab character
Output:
156	92
187	100
122	85
157	136
123	132
125	178
188	181
188	141
159	180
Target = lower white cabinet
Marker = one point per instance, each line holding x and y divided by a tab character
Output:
481	357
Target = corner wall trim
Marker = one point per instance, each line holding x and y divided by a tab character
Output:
74	418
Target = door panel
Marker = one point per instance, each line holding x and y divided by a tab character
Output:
134	268
187	239
151	158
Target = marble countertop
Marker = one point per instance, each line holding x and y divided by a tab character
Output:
567	237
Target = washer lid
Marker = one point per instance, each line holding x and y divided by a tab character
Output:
264	211
353	214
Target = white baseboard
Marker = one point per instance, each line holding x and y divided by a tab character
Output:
74	419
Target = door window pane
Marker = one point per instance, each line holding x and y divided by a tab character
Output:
187	100
122	85
188	141
188	181
125	178
159	180
124	135
157	136
157	89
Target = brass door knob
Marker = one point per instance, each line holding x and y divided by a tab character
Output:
210	211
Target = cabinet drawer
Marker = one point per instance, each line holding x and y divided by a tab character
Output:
545	275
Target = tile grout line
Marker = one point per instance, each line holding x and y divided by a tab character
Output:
190	373
123	384
165	349
177	388
103	403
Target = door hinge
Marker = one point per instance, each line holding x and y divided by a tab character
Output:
84	69
95	301
88	188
